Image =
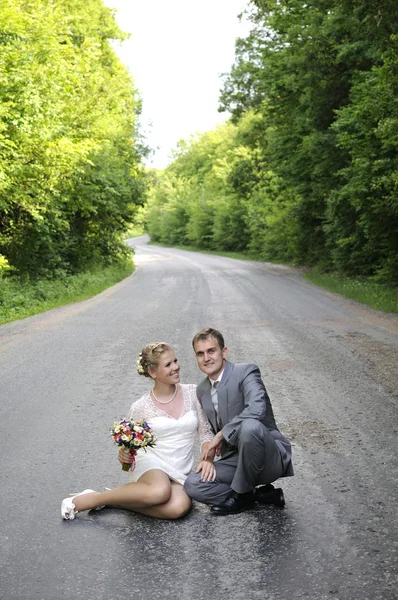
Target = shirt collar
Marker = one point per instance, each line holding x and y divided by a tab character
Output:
213	381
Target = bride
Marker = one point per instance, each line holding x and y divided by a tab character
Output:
176	417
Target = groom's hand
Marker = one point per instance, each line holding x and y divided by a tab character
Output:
213	446
208	470
209	454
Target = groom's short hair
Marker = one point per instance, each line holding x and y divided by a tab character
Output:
204	334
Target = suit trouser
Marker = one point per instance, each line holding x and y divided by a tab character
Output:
257	461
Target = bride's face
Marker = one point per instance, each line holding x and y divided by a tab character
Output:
168	369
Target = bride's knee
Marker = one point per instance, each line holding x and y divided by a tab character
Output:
160	494
178	508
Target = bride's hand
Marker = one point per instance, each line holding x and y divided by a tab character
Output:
208	470
124	456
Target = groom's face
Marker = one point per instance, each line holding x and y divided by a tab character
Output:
210	357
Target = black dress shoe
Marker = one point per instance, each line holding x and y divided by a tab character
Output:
234	504
267	494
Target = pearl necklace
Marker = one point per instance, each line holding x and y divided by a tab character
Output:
167	401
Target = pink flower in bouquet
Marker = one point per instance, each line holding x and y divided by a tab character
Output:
132	435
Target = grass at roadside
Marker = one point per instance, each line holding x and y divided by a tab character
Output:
364	291
372	294
23	298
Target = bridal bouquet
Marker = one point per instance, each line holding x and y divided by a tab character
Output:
132	435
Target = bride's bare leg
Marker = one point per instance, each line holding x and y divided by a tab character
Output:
178	505
153	488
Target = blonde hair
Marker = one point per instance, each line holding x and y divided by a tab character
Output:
148	358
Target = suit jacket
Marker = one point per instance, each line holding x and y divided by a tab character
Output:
242	395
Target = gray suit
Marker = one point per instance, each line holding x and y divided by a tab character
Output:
254	451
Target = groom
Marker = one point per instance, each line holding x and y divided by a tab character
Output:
252	449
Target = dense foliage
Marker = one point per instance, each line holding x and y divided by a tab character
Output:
307	171
70	178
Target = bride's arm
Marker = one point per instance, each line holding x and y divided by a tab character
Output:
135	413
205	467
204	428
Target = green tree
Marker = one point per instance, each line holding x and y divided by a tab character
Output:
302	68
362	216
69	158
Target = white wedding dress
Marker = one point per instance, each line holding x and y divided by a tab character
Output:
176	438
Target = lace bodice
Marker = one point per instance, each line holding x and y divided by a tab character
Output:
144	408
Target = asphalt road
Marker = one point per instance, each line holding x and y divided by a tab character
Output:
330	367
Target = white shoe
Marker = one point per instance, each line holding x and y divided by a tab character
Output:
68	511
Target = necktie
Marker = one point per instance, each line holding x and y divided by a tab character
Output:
215	404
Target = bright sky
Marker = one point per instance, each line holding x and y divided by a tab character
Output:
176	53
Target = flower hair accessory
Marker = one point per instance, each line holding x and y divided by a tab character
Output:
140	369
